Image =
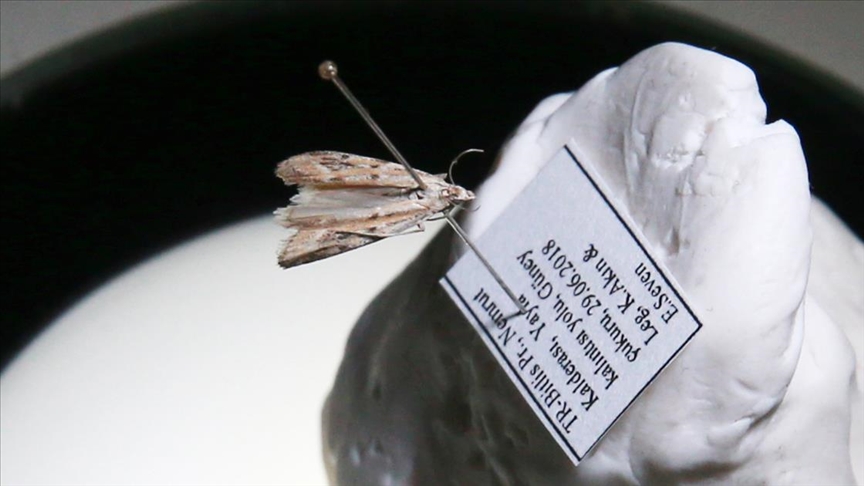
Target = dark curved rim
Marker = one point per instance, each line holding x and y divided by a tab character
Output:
190	18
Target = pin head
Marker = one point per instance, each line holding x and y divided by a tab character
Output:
327	70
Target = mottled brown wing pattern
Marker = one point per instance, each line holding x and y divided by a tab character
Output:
337	169
344	202
322	228
309	243
307	246
347	201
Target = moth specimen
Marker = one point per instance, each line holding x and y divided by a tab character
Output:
347	201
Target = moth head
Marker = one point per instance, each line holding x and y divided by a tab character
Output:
456	195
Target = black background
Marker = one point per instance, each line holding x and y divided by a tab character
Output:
136	139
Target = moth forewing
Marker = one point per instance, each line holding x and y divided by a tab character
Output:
347	201
305	246
338	169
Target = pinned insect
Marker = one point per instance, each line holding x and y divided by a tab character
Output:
347	201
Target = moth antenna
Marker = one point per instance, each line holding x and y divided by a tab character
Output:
453	164
330	72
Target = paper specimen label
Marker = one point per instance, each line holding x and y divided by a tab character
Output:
603	317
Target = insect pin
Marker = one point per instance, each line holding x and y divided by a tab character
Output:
346	201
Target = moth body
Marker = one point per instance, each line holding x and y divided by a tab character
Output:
346	201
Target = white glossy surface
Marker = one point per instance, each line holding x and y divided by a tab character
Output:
207	364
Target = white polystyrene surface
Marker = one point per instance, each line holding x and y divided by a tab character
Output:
679	136
207	364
